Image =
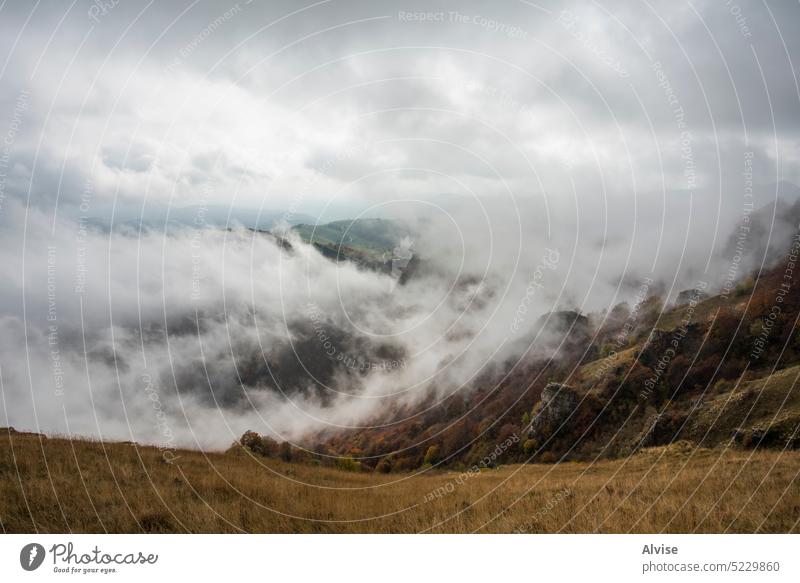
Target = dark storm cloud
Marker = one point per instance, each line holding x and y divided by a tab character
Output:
595	83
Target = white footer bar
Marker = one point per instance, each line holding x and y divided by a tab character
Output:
400	558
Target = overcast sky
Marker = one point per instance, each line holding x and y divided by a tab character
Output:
353	104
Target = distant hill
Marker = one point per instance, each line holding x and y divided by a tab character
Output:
382	245
370	238
766	235
162	218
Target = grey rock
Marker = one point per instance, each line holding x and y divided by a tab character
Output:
557	403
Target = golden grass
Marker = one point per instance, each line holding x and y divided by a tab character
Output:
57	485
703	311
772	401
593	371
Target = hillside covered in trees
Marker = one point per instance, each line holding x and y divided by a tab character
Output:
715	369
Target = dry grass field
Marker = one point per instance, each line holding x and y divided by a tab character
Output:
57	486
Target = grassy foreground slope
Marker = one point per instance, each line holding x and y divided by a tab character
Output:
52	485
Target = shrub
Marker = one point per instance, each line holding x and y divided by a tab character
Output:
285	451
404	464
348	464
258	445
548	457
384	466
432	455
745	286
269	447
251	440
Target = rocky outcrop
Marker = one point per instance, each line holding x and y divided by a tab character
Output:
567	323
557	403
651	434
688	296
